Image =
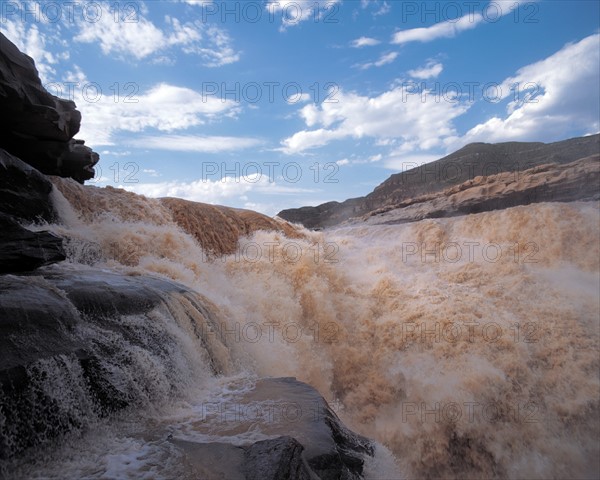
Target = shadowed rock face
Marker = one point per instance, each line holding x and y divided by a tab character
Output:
36	126
24	192
22	250
25	197
474	160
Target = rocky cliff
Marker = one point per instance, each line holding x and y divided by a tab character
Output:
474	161
575	181
25	198
38	127
37	131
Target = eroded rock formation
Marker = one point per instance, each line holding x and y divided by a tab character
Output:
472	161
24	199
36	126
575	181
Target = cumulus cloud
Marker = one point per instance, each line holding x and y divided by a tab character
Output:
395	114
298	98
552	98
163	107
547	98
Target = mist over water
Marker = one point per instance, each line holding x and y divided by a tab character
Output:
467	346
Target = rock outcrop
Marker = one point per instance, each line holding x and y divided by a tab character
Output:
25	198
24	191
474	160
38	127
575	181
78	317
216	228
22	250
306	439
36	138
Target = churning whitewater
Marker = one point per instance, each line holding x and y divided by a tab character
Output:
465	346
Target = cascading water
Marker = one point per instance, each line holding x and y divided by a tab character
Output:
466	346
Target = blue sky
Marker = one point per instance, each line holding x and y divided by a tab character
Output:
273	105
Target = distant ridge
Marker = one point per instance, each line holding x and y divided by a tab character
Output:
473	160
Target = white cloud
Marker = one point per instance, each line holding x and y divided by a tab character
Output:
195	143
385	59
138	39
343	161
567	85
447	29
219	50
395	114
384	7
35	44
115	154
151	172
364	42
142	39
430	70
298	98
383	10
294	12
215	191
452	27
163	107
